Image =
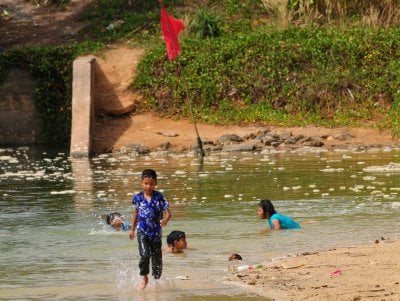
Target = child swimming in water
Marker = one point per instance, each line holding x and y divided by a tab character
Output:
117	223
176	242
276	221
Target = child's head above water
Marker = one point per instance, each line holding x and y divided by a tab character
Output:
266	209
115	220
177	241
234	257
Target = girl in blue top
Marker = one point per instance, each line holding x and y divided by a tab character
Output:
275	220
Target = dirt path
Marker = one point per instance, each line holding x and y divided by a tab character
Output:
25	24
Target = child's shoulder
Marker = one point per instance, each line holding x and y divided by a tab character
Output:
138	195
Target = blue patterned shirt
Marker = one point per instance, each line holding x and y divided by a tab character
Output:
150	213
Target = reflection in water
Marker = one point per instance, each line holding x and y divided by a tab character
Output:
82	181
54	236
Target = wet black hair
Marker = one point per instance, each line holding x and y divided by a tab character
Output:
267	207
149	173
173	236
235	256
111	216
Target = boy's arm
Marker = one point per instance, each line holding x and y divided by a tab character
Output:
133	224
167	216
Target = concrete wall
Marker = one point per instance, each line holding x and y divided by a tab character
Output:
20	123
82	106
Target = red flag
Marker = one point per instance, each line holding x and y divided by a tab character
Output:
171	27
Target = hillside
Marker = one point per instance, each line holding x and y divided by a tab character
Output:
23	24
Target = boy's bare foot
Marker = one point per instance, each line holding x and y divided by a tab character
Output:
144	283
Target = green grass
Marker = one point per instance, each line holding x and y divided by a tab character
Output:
324	76
243	61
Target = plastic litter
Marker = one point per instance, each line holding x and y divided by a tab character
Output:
336	273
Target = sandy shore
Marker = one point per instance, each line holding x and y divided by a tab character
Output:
365	272
152	132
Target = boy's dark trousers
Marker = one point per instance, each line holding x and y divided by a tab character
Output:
149	248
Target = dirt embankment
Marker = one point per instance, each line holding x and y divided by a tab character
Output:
116	68
25	24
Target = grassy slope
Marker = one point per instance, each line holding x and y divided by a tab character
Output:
253	71
238	66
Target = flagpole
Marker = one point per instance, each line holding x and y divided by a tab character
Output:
199	142
171	28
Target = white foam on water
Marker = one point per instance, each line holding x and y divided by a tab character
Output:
246	159
23	174
9	159
101	194
395	205
388	168
63	192
332	170
389	197
180	172
357	188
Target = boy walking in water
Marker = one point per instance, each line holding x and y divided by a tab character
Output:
150	214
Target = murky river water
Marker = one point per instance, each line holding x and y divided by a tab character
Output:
55	244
